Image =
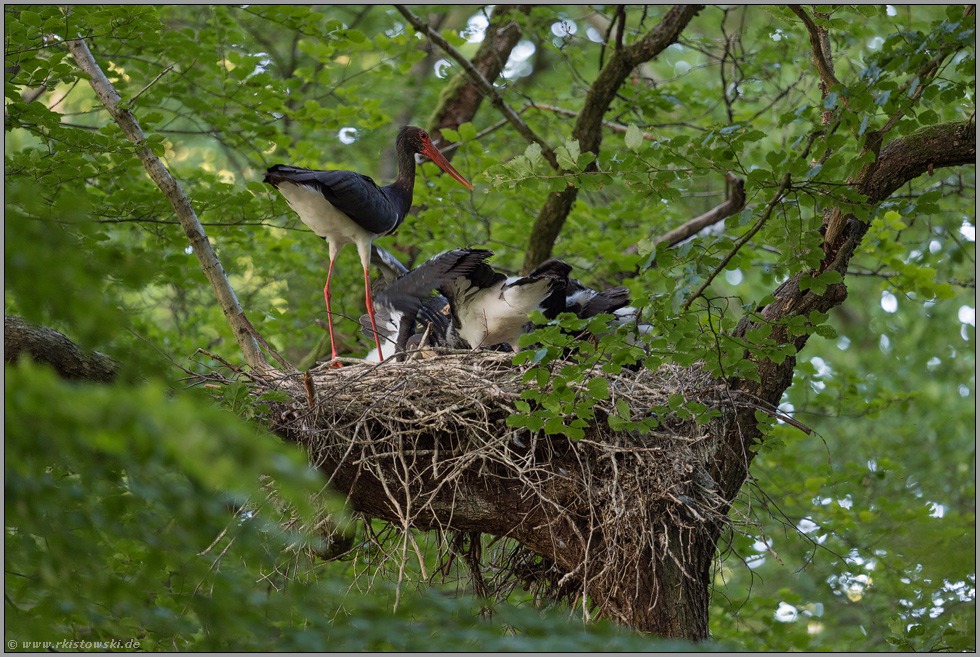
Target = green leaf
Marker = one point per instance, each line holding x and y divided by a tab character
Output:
567	154
467	131
599	388
30	18
634	138
533	155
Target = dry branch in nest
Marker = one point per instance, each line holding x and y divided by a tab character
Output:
425	444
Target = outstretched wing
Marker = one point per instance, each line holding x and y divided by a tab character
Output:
400	302
557	273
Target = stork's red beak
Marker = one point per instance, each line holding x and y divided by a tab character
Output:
433	154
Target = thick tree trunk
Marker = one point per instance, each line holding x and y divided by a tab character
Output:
47	346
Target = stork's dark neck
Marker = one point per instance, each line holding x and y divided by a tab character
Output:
402	190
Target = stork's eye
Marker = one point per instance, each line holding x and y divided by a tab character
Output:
423	134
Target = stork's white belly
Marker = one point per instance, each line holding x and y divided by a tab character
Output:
325	220
499	314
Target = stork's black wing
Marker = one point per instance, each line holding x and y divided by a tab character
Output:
461	288
390	266
558	271
356	195
400	302
606	302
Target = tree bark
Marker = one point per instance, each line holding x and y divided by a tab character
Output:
47	346
158	172
932	147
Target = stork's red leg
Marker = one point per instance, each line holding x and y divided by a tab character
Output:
326	296
370	309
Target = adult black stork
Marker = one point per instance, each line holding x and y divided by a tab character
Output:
344	207
399	304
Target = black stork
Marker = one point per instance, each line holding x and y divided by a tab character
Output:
344	207
399	304
490	308
585	303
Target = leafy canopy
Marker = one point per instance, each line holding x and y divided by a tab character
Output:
114	494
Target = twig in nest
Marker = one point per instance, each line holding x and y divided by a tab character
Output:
310	390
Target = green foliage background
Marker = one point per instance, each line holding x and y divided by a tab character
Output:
863	536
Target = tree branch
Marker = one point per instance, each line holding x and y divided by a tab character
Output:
926	149
731	205
175	194
904	159
48	346
615	127
482	84
588	126
461	98
821	59
763	218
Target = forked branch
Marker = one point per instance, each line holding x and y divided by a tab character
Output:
821	58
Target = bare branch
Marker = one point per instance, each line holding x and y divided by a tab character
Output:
763	218
482	84
152	82
615	127
926	149
172	190
731	205
31	95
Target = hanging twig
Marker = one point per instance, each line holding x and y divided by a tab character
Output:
742	240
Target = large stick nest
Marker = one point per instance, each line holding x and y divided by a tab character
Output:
430	439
